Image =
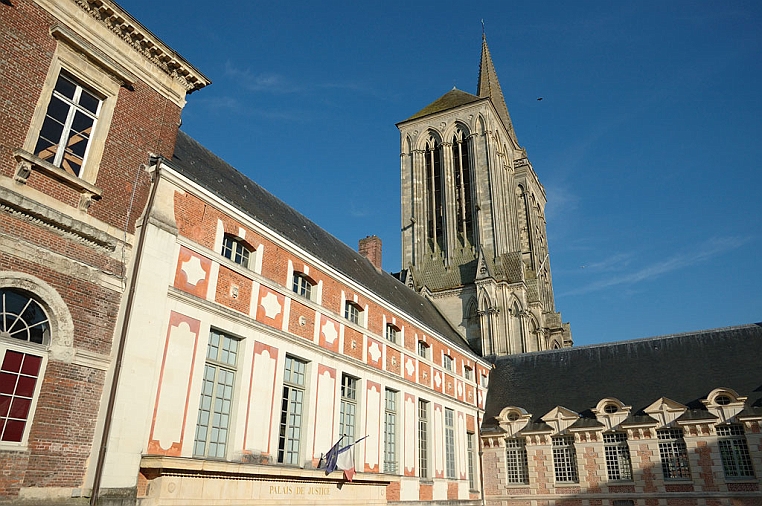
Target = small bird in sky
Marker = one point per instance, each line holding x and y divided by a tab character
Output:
539	99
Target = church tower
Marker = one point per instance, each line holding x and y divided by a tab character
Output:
473	221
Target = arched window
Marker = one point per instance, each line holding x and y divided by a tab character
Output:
25	332
22	317
461	163
435	212
525	231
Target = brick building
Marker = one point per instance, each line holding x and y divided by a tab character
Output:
672	420
87	96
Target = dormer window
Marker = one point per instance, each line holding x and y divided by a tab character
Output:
303	285
236	250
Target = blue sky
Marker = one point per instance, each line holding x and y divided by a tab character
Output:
648	139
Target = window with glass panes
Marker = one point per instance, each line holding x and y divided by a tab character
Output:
292	411
302	285
736	460
68	126
352	312
213	421
390	431
447	362
423	349
618	464
348	413
674	454
235	250
449	443
471	460
423	439
516	461
565	459
391	333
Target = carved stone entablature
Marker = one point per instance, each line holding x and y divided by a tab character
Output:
28	209
146	43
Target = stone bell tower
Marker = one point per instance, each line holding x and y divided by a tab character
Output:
473	221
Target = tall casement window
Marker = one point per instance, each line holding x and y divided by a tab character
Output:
565	459
302	285
348	414
461	163
674	454
423	349
435	211
617	452
449	443
236	250
423	438
734	451
292	411
516	461
25	326
470	436
447	362
390	431
69	122
216	396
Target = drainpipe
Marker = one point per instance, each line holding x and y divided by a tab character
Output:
481	453
123	337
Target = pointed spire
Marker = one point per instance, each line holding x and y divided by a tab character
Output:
489	87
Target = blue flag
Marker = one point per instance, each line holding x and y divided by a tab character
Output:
331	456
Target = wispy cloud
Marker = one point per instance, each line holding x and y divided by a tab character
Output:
269	82
697	255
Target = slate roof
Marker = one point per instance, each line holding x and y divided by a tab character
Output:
200	165
682	367
451	99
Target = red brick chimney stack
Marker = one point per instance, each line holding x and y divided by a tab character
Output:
370	248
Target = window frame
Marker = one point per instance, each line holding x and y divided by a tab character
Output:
303	285
516	463
224	371
565	469
447	362
449	426
617	455
734	452
291	423
235	248
348	410
471	468
423	439
424	350
391	333
105	80
391	458
353	312
673	454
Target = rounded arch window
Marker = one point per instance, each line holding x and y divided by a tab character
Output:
22	317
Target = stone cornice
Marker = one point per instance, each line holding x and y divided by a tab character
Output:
118	21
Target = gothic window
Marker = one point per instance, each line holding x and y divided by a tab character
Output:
736	460
473	327
522	206
435	210
674	454
461	163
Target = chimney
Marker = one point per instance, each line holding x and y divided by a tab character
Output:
370	248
